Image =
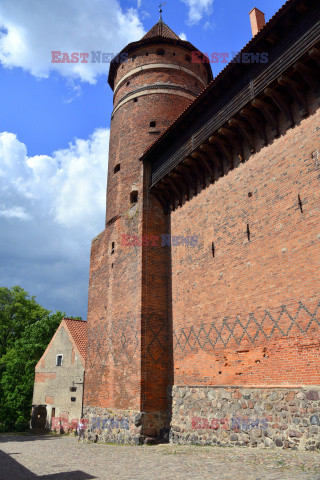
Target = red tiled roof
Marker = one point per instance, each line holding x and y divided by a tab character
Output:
160	29
78	331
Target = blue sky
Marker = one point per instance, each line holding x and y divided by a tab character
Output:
54	126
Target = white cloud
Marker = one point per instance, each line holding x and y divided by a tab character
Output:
51	207
30	30
14	212
183	36
197	9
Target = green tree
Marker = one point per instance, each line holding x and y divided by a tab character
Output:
26	329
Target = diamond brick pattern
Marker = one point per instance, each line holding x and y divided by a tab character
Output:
118	340
255	327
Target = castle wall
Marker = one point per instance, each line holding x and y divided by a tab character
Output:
248	314
128	360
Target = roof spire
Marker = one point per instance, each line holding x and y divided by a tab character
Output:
160	10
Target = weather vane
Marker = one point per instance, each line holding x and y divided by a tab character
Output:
160	10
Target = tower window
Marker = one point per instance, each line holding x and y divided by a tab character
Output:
188	58
135	100
116	168
73	399
174	54
128	83
153	124
160	51
112	248
147	54
59	360
134	197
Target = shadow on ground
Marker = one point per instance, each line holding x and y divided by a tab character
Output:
28	437
10	468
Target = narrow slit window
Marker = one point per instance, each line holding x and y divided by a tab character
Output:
134	197
116	168
248	232
112	248
213	249
59	360
300	204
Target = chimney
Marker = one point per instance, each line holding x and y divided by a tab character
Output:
257	20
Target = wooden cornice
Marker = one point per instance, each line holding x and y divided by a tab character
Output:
235	126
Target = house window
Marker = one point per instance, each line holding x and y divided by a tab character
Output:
59	360
53	412
73	399
134	197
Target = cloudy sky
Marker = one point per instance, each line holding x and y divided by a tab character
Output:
54	126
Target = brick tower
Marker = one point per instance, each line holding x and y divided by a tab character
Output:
129	362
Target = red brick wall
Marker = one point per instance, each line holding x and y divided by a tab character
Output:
250	315
126	364
42	377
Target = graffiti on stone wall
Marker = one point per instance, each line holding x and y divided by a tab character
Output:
232	423
63	424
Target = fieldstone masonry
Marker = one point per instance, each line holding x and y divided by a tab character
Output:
269	417
124	427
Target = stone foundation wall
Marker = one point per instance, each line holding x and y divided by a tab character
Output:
257	417
105	425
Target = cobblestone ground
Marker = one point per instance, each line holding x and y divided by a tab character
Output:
62	458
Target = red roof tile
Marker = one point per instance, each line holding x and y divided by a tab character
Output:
160	29
78	331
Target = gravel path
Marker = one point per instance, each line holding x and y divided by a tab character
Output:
52	457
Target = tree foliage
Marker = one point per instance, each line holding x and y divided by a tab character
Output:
26	329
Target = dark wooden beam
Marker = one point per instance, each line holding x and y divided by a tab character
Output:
215	156
314	53
168	181
268	114
308	75
223	147
205	159
295	90
197	169
245	131
281	103
161	199
187	173
257	121
234	138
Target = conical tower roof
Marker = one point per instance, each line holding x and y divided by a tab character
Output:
160	33
160	29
